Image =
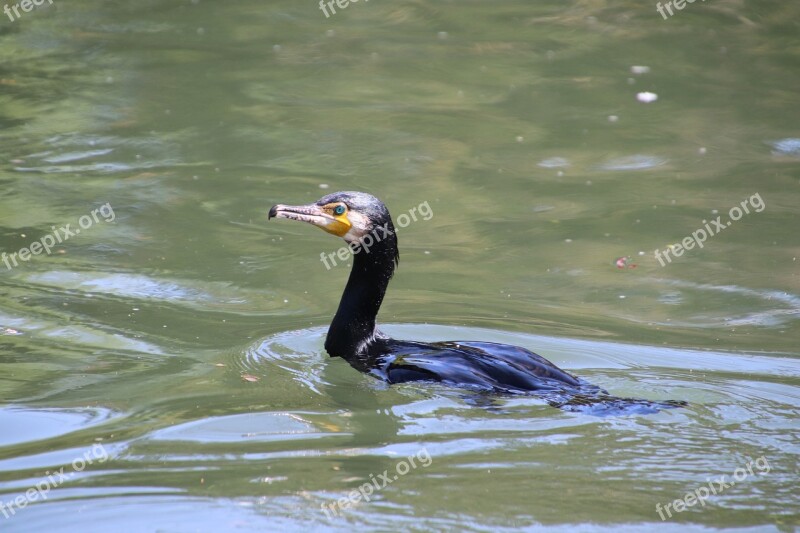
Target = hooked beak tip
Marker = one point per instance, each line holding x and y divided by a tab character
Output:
273	212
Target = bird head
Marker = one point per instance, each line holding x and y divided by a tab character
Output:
349	214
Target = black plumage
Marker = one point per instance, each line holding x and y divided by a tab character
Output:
479	366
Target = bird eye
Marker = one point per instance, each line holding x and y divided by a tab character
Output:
339	210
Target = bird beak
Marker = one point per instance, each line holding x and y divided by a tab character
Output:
313	214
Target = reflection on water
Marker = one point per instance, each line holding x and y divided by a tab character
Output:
519	124
787	147
350	426
633	162
263	427
21	425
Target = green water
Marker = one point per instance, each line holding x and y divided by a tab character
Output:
178	338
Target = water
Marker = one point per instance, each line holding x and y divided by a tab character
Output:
169	356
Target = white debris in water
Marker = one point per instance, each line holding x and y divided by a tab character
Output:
520	138
702	150
646	97
639	69
613	118
442	35
323	185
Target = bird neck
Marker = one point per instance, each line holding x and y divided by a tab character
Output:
353	327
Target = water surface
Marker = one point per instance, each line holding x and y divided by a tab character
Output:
185	334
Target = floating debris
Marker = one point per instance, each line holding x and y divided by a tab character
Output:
250	378
639	69
646	97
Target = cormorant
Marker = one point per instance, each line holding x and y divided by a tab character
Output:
365	224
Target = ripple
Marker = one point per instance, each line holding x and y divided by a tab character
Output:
130	154
262	427
300	353
789	146
151	509
554	162
633	162
135	27
75	335
143	287
772	317
75	156
29	424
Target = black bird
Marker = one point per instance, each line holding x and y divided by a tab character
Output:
365	224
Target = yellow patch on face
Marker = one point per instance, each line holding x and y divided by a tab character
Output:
340	224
